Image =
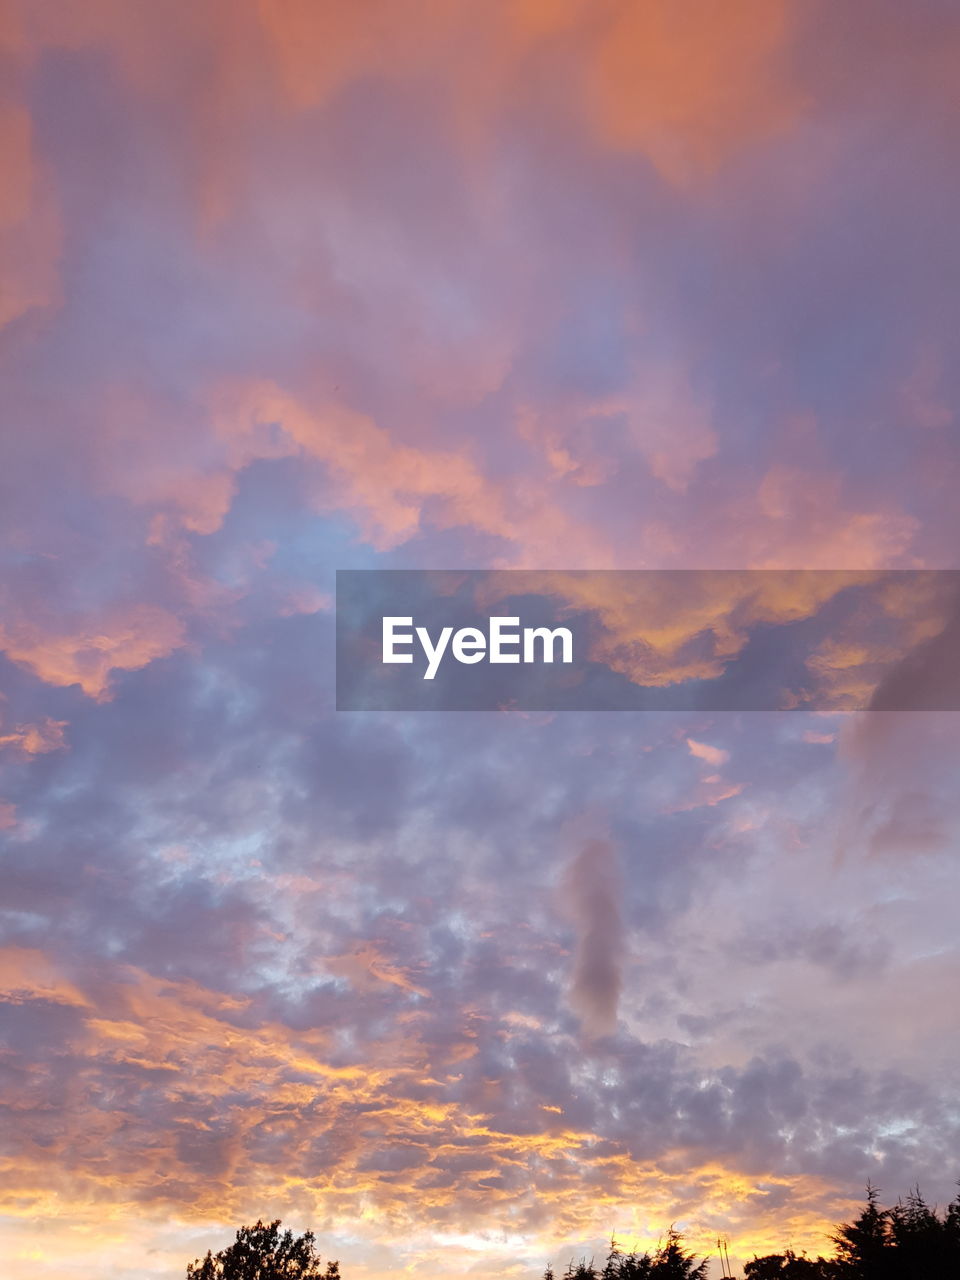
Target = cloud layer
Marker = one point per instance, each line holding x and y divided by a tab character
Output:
290	287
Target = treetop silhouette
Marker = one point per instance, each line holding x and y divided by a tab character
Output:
262	1252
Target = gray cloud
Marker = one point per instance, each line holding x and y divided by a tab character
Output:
594	891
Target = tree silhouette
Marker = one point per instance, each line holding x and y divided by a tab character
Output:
951	1232
865	1247
613	1265
582	1271
626	1266
789	1266
262	1252
672	1262
911	1241
635	1266
918	1236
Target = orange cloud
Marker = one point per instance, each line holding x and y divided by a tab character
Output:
365	967
393	490
36	739
123	639
213	1085
650	621
663	419
29	223
690	85
715	756
687	86
808	524
28	974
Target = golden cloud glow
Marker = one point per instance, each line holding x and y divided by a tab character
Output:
229	1113
122	640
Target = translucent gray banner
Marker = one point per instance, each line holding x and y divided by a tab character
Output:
677	639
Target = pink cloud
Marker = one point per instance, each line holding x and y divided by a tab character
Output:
715	756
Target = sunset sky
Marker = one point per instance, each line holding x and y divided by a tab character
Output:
297	285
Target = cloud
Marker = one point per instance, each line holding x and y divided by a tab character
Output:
35	739
30	231
365	967
592	891
124	640
715	756
690	94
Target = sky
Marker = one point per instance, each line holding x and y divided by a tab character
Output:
291	286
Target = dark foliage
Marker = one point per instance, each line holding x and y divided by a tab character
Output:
789	1266
263	1252
911	1241
670	1262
